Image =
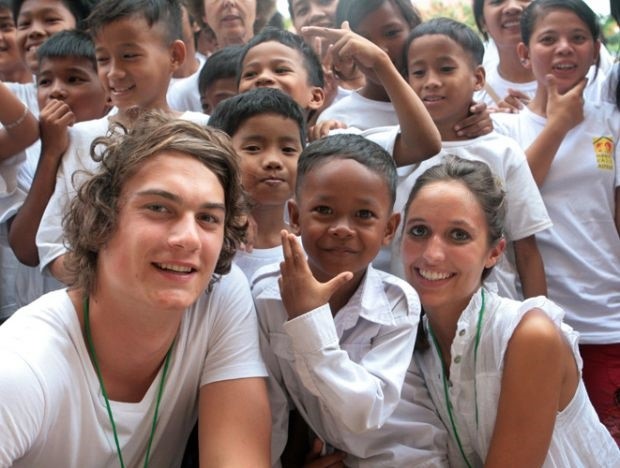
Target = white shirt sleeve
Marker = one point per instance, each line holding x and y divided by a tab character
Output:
360	396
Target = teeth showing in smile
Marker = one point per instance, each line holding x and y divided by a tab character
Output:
433	275
176	268
564	66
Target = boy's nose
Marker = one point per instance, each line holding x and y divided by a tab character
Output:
58	92
184	234
272	161
341	229
264	80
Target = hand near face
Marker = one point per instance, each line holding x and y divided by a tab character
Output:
565	110
478	123
54	122
348	48
300	290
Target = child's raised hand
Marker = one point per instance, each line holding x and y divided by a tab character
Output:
54	122
322	129
346	46
300	290
564	111
478	123
515	100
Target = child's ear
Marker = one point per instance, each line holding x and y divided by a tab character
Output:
391	227
317	98
524	55
479	78
293	216
496	252
177	54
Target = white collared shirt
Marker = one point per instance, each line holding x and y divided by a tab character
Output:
345	374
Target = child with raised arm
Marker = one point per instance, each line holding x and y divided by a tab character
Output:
137	47
336	334
444	68
268	132
504	375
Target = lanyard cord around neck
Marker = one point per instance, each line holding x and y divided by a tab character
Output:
445	380
93	355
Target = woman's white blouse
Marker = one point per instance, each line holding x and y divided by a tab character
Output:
578	439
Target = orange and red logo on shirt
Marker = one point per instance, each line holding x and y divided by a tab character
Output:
604	151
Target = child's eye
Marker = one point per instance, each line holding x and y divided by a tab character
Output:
322	209
7	27
53	19
460	235
365	214
43	82
251	148
547	40
129	56
248	74
290	150
392	32
283	70
580	38
23	24
75	80
418	230
417	73
447	69
102	60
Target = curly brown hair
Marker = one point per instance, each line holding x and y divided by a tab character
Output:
92	218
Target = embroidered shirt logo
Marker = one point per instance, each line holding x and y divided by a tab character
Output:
604	151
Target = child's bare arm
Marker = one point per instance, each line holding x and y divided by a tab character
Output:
20	127
55	118
530	267
419	138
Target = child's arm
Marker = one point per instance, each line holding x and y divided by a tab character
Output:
55	119
20	127
563	113
356	397
530	267
419	138
533	391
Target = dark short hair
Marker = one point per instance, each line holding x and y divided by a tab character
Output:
231	113
164	12
92	218
354	11
220	65
459	32
538	8
311	62
348	146
68	43
478	10
80	9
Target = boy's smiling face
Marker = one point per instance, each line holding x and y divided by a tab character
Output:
38	20
443	75
74	81
274	65
269	146
343	213
135	63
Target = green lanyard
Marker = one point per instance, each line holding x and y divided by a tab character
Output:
91	349
445	381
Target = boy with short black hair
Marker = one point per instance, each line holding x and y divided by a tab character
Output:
268	132
444	68
137	47
218	77
275	58
336	334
